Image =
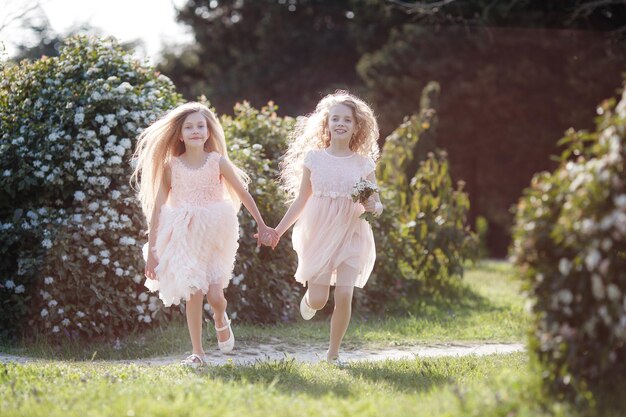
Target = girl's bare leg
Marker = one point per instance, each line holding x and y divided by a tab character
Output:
193	311
343	310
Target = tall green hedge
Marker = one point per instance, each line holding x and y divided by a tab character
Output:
570	245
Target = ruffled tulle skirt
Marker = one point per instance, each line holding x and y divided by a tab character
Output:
328	235
195	247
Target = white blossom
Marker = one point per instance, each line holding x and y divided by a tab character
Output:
592	259
20	289
79	196
44	312
48	280
65	322
92	259
46	243
55	329
9	284
565	266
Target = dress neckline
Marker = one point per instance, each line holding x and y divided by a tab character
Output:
195	169
339	157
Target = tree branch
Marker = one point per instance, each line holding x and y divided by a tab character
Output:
9	18
421	7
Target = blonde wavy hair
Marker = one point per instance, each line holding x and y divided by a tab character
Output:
312	132
159	143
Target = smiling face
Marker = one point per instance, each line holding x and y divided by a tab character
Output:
195	131
341	123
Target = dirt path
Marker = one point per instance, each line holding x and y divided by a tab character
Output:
248	354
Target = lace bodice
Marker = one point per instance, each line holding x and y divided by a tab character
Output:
196	187
335	176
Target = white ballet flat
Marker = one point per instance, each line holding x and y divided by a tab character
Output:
229	344
306	312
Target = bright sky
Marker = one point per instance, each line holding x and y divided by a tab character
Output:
151	21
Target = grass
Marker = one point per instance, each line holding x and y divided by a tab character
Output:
67	383
489	308
468	386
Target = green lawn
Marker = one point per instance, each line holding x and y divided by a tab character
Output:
490	308
469	386
67	383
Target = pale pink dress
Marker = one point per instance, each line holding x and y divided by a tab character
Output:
197	233
329	233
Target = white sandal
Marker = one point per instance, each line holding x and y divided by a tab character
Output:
228	345
193	361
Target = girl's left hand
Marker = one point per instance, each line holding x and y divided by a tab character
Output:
370	205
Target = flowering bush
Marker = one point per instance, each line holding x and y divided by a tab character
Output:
570	243
69	222
422	240
263	288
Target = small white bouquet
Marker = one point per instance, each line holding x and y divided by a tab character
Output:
361	192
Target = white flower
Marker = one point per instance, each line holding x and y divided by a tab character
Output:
592	259
99	118
80	314
93	206
19	289
115	194
565	266
9	284
44	312
79	196
55	329
236	280
106	261
597	287
105	253
613	292
147	318
46	243
119	272
127	240
620	201
111	121
92	259
257	146
140	309
565	296
124	87
125	143
52	303
48	280
65	322
137	279
105	130
114	160
97	241
79	118
60	311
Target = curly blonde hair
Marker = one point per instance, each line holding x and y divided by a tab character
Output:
158	143
312	132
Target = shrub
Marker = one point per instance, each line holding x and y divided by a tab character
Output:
263	289
422	239
570	244
70	262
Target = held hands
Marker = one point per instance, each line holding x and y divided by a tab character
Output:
267	236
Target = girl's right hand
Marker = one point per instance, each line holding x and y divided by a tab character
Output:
151	265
